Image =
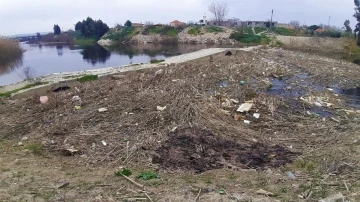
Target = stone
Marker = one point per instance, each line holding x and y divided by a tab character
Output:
24	138
118	77
334	198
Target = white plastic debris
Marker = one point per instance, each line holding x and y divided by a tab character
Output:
159	108
158	72
44	99
103	142
76	98
102	110
234	101
256	115
24	138
245	107
246	121
291	175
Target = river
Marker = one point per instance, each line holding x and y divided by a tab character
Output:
39	60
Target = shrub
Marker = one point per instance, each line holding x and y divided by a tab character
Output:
195	30
214	29
156	61
10	51
148	175
87	78
124	34
284	31
124	171
249	38
164	30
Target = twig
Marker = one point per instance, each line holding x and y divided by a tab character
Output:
107	155
137	184
347	188
198	195
148	197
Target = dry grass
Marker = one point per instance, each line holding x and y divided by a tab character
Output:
134	129
10	54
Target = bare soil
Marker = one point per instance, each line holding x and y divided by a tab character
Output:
66	150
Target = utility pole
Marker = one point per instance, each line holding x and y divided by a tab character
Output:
272	13
329	20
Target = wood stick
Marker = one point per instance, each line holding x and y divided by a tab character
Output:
148	197
198	195
137	184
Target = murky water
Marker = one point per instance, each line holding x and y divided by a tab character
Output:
46	59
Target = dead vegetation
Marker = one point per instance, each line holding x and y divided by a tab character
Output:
200	130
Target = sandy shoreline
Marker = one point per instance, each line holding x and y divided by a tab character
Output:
65	76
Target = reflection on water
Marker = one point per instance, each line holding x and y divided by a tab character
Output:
11	66
95	54
51	58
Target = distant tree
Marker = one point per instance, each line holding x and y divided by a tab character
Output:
314	27
38	36
295	23
357	16
219	12
90	28
147	23
128	23
57	30
347	26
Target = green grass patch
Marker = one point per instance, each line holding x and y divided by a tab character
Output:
163	30
195	30
36	148
124	171
156	61
122	35
214	29
87	78
148	175
243	37
85	41
260	29
284	31
8	94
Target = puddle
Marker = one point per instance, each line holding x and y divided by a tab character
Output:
199	150
282	88
352	95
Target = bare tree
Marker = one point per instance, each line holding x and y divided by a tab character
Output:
295	24
149	23
219	12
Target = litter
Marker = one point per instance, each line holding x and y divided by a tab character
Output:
291	175
246	122
44	99
263	192
245	107
103	142
102	110
226	112
242	83
76	98
159	108
234	101
256	115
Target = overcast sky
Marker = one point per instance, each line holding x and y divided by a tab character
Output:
29	16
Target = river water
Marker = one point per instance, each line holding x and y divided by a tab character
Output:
39	60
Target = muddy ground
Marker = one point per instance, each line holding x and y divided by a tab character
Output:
303	147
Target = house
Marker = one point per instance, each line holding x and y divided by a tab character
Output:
137	25
259	24
176	23
238	23
285	25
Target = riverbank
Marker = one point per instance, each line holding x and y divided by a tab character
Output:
68	76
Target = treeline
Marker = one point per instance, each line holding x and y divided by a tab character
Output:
90	28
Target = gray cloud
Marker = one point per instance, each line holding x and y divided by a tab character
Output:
24	16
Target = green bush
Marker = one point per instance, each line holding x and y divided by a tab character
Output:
195	30
8	94
214	29
260	29
148	175
122	35
284	31
156	61
124	171
249	38
164	30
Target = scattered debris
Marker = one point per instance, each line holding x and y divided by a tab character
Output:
118	77
242	83
61	88
334	198
226	103
229	53
44	99
221	192
24	139
158	72
226	112
245	107
77	107
256	115
266	193
63	185
20	144
334	119
237	117
103	142
235	101
159	108
72	150
291	175
102	109
76	98
246	121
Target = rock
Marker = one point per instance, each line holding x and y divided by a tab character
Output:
102	110
118	77
20	144
24	138
334	198
229	53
